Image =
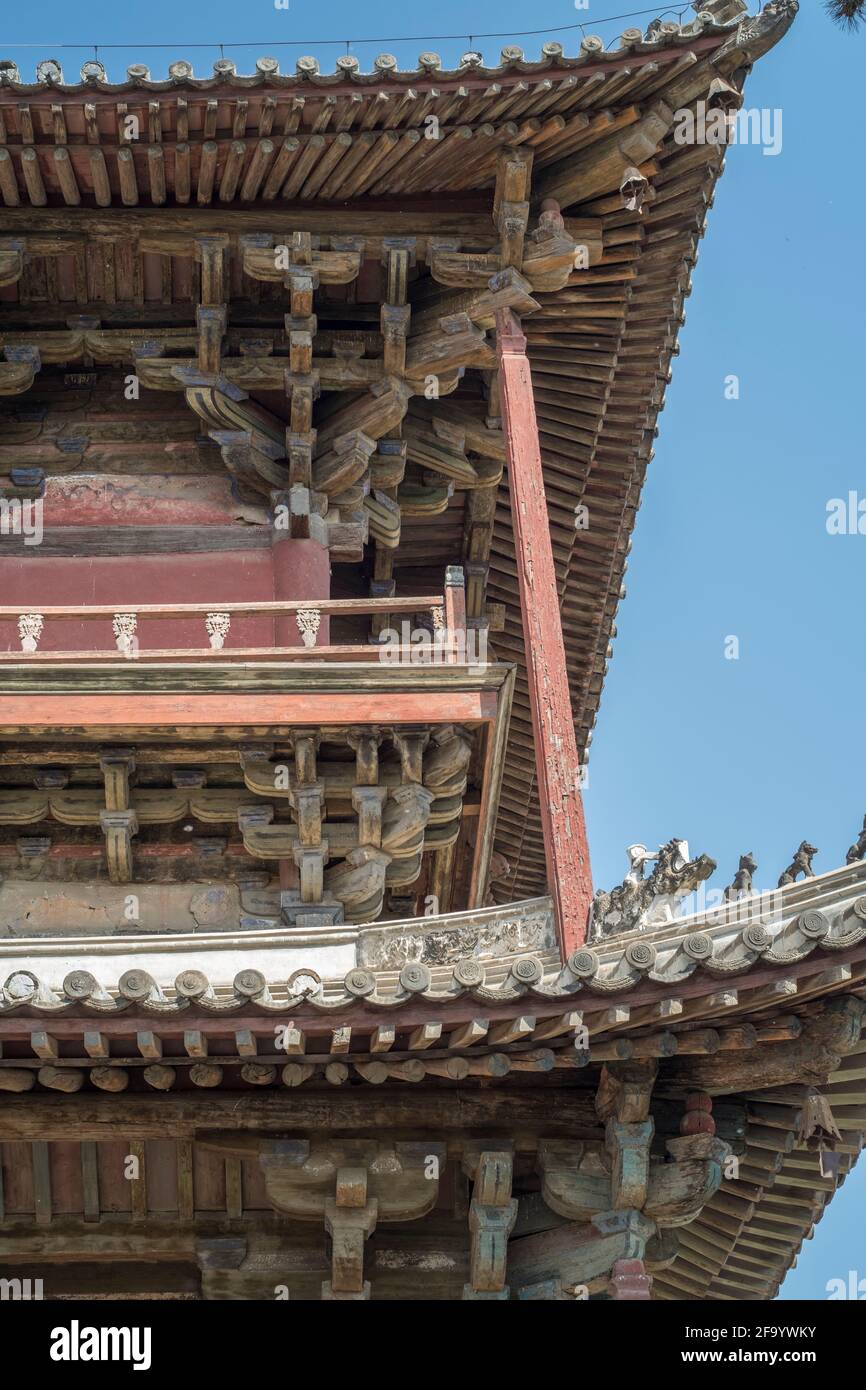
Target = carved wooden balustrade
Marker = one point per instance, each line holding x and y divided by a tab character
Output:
330	773
439	634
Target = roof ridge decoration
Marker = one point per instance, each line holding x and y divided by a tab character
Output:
744	40
640	903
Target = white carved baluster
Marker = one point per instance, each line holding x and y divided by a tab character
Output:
308	620
124	626
30	627
440	632
217	625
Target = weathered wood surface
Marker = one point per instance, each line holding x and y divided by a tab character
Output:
91	1117
579	1253
565	842
810	1058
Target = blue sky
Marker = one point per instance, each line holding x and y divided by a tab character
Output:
764	751
756	753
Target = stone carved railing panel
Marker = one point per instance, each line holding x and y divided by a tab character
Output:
506	931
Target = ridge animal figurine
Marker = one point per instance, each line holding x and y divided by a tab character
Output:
858	849
639	902
742	884
801	864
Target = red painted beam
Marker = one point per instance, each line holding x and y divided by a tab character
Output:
565	843
136	710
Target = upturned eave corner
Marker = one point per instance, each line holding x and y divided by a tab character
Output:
756	35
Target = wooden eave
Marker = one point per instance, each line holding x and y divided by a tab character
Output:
601	348
745	963
757	980
748	1237
347	78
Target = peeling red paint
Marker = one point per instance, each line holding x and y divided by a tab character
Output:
565	843
151	500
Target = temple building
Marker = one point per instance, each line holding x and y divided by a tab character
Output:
327	401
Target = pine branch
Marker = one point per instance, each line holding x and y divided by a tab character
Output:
850	14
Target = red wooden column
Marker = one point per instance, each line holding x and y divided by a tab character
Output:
565	844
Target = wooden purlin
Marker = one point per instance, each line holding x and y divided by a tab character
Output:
475	1046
